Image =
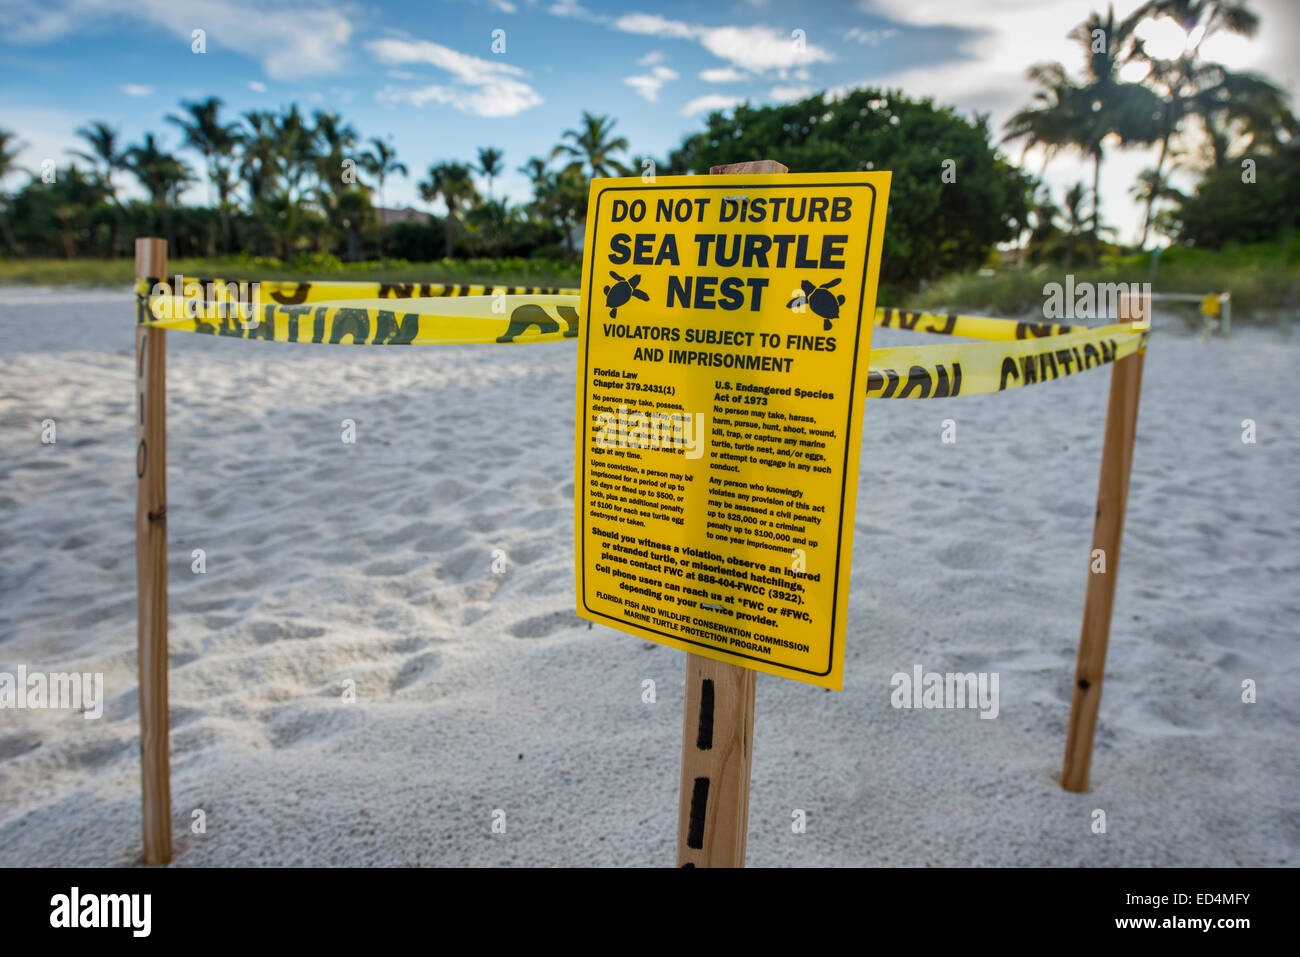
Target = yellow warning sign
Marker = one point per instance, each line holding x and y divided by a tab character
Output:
723	337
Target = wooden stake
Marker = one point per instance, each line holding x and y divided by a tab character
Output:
151	564
717	734
1107	536
717	751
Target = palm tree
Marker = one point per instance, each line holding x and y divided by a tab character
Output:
1150	188
279	153
354	213
203	131
10	147
296	152
1047	123
1074	220
337	139
537	173
535	170
593	146
452	183
1201	18
426	190
381	162
215	141
1243	107
1086	115
258	162
562	198
493	220
104	154
259	169
489	165
282	221
106	158
161	174
1168	78
75	198
1182	82
1129	112
1043	235
334	140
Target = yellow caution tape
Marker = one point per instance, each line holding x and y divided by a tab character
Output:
376	322
1016	353
970	327
973	368
336	293
440	310
295	293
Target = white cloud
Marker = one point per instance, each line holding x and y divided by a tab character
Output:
464	66
506	98
288	42
570	8
761	48
483	87
651	24
505	6
1001	41
870	37
711	102
754	48
649	84
651	58
723	74
137	89
256	86
788	94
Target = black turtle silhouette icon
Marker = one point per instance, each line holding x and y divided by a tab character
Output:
820	300
623	290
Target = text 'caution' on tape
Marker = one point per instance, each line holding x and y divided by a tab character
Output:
295	292
377	322
288	293
1011	354
974	368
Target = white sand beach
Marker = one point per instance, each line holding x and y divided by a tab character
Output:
475	691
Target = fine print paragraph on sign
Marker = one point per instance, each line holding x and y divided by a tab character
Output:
724	337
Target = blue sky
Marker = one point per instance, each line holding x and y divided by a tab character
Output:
425	75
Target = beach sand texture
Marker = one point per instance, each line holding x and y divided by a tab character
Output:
372	562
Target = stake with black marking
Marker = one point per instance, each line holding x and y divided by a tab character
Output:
717	734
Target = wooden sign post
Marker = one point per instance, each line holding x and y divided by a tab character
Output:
717	752
151	563
717	733
1107	536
